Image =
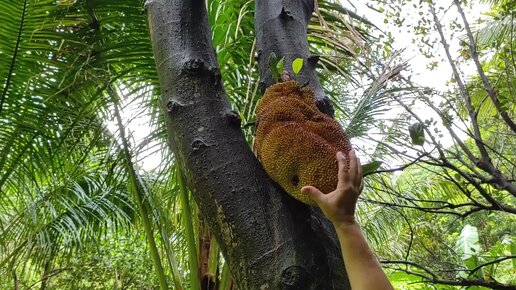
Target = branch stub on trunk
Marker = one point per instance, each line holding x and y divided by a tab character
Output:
295	277
233	119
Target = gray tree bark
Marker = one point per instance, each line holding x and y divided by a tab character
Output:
281	27
270	240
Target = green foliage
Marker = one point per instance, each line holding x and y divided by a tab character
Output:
371	167
273	62
280	65
189	229
297	65
120	264
417	133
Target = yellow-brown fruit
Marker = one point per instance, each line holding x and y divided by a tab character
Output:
295	142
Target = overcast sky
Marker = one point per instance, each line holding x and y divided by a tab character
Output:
437	78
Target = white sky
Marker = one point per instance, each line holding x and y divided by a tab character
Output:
437	78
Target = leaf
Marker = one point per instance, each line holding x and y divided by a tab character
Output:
374	102
417	133
273	62
471	262
468	243
297	65
400	276
468	247
371	167
280	65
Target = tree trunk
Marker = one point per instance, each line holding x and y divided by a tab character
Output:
281	27
270	240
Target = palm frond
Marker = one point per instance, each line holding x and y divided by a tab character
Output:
375	101
495	31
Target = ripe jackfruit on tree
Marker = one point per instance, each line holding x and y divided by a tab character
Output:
295	142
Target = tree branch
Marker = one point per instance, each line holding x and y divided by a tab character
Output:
431	277
483	77
462	88
485	162
492	262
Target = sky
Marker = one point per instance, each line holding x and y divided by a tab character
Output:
437	78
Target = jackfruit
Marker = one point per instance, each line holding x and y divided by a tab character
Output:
295	142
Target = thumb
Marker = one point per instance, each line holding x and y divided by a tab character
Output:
313	192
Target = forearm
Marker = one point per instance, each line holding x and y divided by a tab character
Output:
363	269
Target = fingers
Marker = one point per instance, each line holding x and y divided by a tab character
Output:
349	173
359	178
343	169
353	164
355	168
313	192
359	167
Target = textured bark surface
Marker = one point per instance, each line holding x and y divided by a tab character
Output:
281	29
270	240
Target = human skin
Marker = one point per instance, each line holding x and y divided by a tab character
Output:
338	206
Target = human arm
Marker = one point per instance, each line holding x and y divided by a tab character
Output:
364	271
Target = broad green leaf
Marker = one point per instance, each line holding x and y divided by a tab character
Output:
417	133
371	167
273	62
297	65
280	65
400	276
467	244
471	262
468	247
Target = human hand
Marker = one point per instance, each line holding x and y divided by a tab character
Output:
339	205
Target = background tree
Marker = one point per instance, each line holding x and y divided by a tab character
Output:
454	204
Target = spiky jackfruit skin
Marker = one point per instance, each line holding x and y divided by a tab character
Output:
295	142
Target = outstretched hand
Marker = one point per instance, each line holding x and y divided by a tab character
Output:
339	205
364	271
